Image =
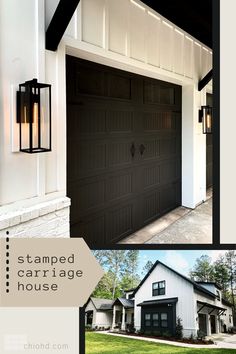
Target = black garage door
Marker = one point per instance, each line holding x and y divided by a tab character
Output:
123	150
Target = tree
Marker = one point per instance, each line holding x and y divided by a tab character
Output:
230	258
131	269
147	267
179	328
121	272
203	270
221	275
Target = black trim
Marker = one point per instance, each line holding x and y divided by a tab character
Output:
171	300
204	81
206	304
158	290
59	23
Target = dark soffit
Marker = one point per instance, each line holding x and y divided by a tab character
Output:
193	16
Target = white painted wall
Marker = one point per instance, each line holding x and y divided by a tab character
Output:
130	37
176	286
100	318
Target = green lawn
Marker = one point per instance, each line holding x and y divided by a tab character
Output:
105	344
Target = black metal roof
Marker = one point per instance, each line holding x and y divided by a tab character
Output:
194	17
172	300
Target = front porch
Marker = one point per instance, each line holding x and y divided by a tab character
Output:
209	318
123	314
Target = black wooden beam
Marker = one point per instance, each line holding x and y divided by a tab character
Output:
203	82
59	22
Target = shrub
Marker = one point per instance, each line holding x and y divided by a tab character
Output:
88	328
201	335
130	328
179	328
166	334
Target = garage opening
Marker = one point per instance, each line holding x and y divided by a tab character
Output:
123	150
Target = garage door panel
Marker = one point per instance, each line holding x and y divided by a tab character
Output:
120	121
155	121
123	154
169	197
119	222
119	186
151	206
152	176
88	197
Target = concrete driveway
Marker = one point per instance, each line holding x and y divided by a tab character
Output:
180	226
224	340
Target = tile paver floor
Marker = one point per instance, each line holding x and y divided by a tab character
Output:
182	225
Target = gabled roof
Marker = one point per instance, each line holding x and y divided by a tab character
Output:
196	286
124	302
102	304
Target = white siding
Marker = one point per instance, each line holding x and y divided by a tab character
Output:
175	287
103	319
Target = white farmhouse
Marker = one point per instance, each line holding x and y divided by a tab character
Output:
161	297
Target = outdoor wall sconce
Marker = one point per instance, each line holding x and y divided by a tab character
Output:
34	116
205	117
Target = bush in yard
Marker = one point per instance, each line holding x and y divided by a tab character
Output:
156	333
201	335
130	328
166	334
179	328
88	328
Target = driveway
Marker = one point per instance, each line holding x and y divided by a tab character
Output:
182	225
224	340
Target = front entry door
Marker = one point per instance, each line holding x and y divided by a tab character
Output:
123	150
202	323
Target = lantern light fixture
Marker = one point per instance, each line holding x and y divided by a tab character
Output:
34	116
205	117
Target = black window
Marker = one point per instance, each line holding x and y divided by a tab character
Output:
159	288
155	320
164	320
218	295
147	319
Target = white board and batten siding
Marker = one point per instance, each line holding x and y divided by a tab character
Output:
130	29
175	287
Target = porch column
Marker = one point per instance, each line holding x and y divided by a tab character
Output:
217	324
123	319
114	318
193	148
208	319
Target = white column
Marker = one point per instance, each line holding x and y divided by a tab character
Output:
208	319
123	319
114	317
193	148
217	324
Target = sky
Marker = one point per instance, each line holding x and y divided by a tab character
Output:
181	261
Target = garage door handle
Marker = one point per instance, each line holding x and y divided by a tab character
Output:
132	150
142	149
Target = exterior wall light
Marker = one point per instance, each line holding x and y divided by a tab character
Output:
34	116
205	117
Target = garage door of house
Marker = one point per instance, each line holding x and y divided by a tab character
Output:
123	150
